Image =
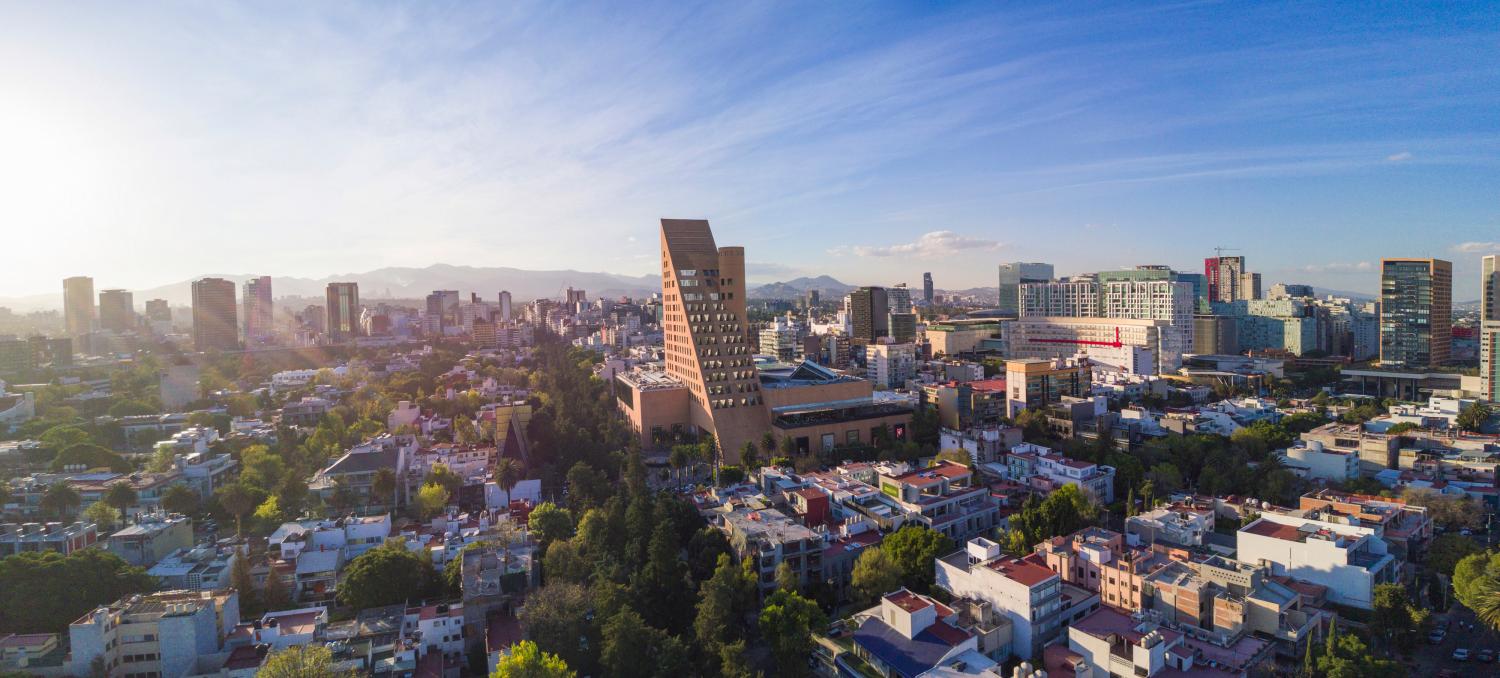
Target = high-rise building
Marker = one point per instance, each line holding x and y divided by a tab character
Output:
258	316
927	287
706	336
1489	327
1071	298
869	314
78	305
1012	276
1249	287
505	306
574	298
898	298
343	311
116	311
158	310
214	317
1489	288
1224	278
813	298
1153	300
1416	312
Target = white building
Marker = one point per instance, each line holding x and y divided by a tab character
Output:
1028	594
1074	297
1109	339
1309	459
1350	560
891	365
1173	302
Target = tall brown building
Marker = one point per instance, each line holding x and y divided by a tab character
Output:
706	336
215	327
343	311
116	311
78	305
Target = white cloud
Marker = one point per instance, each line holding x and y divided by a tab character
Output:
930	245
1403	156
1476	247
1339	267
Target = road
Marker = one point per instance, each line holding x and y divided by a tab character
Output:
1433	658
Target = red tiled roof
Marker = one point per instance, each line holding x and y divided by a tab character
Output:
907	600
1023	570
1266	528
948	634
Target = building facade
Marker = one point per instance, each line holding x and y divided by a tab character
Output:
78	305
1015	274
1416	312
343	311
215	326
116	311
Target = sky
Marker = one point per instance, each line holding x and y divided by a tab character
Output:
147	143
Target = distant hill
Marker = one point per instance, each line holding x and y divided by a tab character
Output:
405	283
827	287
1356	296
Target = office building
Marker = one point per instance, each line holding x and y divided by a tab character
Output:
214	315
1216	335
1128	345
869	313
259	311
1035	382
1249	286
158	310
154	634
1225	278
116	311
891	365
813	298
505	315
898	298
903	327
707	342
1489	327
78	305
927	288
1074	297
1416	312
573	298
783	339
1152	300
343	311
1012	276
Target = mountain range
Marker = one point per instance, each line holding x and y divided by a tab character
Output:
827	287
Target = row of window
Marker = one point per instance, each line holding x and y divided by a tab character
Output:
147	657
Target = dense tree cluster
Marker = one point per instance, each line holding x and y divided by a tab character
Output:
45	591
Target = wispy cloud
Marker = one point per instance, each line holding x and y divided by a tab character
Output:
1338	267
1403	156
931	245
1476	247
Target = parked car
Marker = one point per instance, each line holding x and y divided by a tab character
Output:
1436	636
1486	655
1460	654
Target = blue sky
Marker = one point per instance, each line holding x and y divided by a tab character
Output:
871	141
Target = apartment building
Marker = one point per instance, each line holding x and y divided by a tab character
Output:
37	537
1231	598
201	568
1406	528
1038	382
910	635
1179	524
151	538
1033	598
1108	643
1073	298
945	498
1044	470
1099	560
1351	560
155	635
771	538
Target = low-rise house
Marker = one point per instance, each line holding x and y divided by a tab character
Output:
909	635
945	498
305	412
1351	560
1108	643
201	568
357	468
1310	459
36	537
1098	560
1180	524
1033	598
151	538
1045	470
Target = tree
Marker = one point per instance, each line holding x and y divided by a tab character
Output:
912	549
1472	574
1452	513
749	455
723	601
1348	657
301	661
262	468
239	578
432	499
1446	550
62	437
661	589
526	660
274	594
383	487
269	512
788	621
787	578
121	496
45	591
768	443
556	616
1472	418
464	432
102	514
507	474
385	575
239	501
445	477
633	649
180	498
565	562
1395	619
587	487
548	523
875	574
60	500
161	460
89	455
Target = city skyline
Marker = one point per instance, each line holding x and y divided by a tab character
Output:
827	141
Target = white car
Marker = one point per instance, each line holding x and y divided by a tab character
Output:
1461	654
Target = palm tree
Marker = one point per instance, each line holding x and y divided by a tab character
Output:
384	486
678	459
60	499
507	474
1487	606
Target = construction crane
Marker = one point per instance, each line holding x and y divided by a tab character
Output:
1219	251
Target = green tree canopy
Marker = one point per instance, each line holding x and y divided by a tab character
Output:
385	575
556	616
302	661
45	591
787	622
431	500
548	523
89	455
527	660
121	496
875	574
1446	550
912	549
